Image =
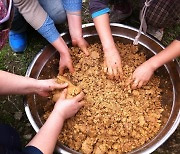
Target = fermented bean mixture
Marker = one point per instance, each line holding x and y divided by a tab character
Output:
115	118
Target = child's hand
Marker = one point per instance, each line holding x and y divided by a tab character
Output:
67	108
65	61
43	87
112	64
141	75
81	43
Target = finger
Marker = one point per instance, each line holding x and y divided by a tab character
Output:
145	83
110	73
79	97
61	86
105	68
63	94
140	84
84	49
129	80
120	72
135	84
74	43
80	104
71	69
115	72
61	69
44	93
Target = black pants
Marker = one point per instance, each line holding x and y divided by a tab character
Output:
9	139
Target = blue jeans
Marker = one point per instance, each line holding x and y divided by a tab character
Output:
54	9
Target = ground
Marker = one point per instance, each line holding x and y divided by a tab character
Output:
12	108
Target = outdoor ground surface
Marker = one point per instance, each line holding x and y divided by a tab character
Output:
12	108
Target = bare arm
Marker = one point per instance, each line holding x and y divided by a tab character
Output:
16	84
75	29
169	53
112	61
143	73
46	138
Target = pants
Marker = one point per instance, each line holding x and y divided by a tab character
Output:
54	9
9	138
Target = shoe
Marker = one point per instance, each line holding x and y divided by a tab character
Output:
120	10
156	32
18	41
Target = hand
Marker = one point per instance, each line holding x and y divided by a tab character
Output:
68	107
65	61
112	64
45	86
141	75
82	44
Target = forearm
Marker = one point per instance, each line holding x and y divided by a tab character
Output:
75	24
73	10
104	31
60	45
15	84
46	138
168	54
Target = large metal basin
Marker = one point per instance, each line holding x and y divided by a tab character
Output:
170	96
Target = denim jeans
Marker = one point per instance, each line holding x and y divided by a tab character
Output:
54	9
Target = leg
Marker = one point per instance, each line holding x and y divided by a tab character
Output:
19	24
17	34
9	138
55	10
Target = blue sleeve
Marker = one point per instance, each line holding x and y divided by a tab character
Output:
31	150
48	30
26	150
72	5
98	7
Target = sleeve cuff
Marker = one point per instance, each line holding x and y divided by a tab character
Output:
31	149
101	12
72	5
48	30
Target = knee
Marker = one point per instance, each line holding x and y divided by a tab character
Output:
58	16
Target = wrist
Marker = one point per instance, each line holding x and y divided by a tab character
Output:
56	113
33	86
61	46
110	49
153	64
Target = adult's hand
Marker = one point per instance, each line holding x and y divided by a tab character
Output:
65	62
81	43
43	87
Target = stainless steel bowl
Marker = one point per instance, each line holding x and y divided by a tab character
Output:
125	34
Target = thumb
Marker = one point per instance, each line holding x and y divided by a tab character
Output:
84	48
61	69
61	86
129	80
63	94
70	67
